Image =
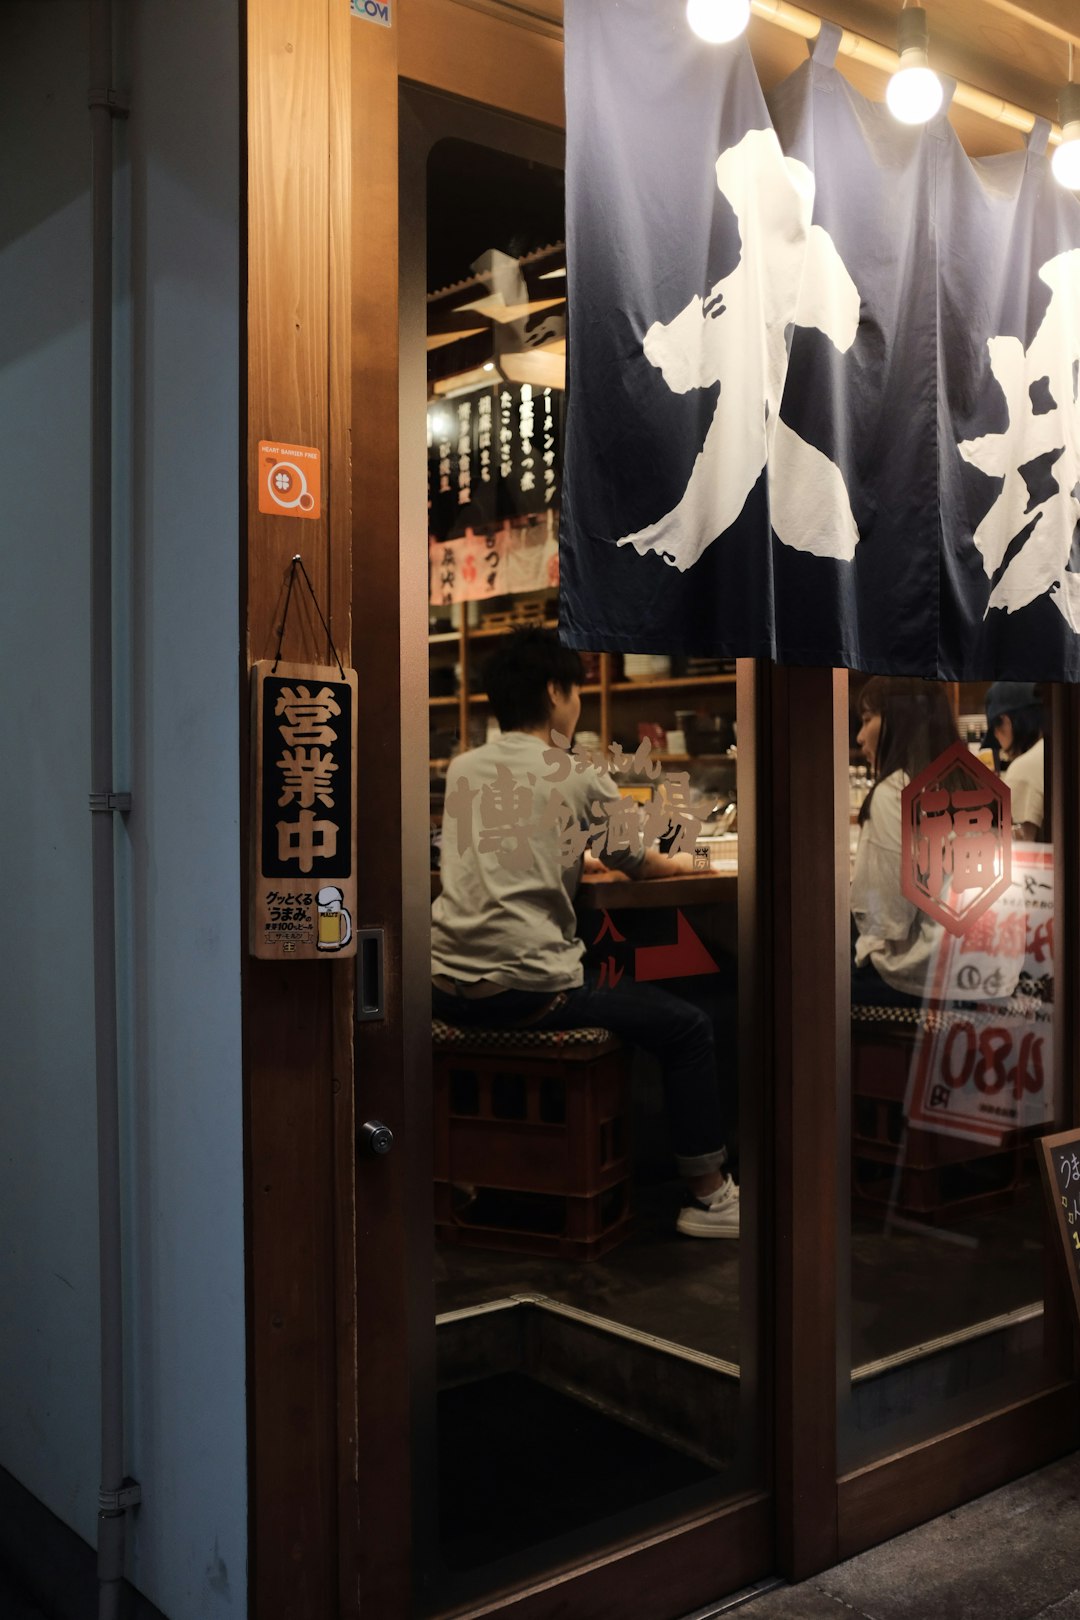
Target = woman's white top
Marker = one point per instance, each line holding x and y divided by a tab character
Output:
895	936
1025	780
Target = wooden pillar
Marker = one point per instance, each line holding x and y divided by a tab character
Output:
810	870
383	1204
297	1016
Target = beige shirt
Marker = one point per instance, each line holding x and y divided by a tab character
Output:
895	936
1025	779
506	911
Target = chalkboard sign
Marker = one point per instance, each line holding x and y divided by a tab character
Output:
1060	1162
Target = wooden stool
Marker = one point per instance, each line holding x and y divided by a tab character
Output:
923	1173
532	1139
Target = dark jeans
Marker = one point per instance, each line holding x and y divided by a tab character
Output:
679	1036
868	989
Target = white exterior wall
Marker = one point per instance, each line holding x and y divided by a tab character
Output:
178	504
48	1200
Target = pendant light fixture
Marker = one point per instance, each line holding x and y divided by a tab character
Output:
718	21
1066	160
914	94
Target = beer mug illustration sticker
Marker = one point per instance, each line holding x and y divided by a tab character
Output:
335	924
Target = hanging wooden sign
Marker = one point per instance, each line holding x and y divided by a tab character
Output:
303	839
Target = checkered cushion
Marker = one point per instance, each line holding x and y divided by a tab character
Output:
553	1039
930	1018
936	1019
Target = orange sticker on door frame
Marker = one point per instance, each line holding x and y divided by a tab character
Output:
290	479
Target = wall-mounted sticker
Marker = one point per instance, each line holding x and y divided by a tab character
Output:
303	845
290	479
376	11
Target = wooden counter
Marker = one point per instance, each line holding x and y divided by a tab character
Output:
602	892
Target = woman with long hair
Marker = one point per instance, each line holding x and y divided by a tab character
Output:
906	723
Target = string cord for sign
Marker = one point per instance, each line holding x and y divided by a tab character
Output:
298	560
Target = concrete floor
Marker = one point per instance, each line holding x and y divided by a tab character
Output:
1012	1555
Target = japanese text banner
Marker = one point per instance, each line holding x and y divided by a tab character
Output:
822	370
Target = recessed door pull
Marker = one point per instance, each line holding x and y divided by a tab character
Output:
369	974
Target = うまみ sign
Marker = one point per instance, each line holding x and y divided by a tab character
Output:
303	890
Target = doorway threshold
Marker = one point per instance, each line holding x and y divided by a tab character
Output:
550	1417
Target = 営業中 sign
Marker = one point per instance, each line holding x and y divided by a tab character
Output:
303	889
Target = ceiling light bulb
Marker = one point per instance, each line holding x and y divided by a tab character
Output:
1066	160
718	21
914	94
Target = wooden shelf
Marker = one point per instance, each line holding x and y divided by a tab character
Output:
684	759
508	629
671	683
482	697
606	709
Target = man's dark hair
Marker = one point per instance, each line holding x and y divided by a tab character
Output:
1027	727
516	677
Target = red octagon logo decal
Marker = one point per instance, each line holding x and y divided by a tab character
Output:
956	848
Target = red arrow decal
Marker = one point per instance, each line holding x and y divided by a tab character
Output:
683	960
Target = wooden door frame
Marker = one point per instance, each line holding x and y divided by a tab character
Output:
329	1431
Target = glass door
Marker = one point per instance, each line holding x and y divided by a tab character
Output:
589	1380
957	1056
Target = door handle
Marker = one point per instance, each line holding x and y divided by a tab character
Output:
370	976
376	1137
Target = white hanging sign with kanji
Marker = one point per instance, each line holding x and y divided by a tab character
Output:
303	845
983	1066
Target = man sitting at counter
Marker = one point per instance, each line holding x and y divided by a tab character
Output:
505	948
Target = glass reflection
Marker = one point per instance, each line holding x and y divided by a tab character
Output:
584	845
953	1074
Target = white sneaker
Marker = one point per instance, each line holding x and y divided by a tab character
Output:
718	1217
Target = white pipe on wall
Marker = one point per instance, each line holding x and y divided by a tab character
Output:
116	1493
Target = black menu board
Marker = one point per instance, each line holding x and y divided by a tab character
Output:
493	454
1059	1160
462	469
